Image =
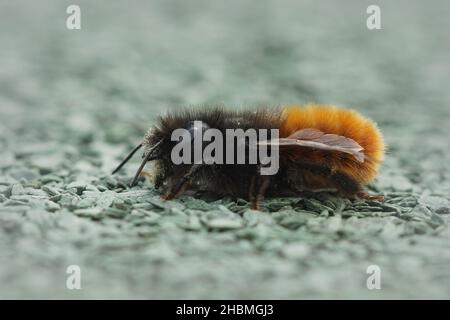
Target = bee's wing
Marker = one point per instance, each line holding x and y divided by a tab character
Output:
313	138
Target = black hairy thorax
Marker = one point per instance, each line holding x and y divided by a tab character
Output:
224	179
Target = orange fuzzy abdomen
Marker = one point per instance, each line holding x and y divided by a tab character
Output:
347	123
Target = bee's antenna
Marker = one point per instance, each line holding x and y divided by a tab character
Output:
128	157
149	156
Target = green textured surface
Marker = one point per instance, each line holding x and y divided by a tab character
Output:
72	103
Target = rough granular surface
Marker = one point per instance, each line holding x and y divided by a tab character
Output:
73	102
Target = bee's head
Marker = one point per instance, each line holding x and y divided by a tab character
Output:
159	142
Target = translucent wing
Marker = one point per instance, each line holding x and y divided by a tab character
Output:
313	138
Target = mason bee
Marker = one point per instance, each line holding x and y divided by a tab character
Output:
318	148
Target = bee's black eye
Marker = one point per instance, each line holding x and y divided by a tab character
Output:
196	126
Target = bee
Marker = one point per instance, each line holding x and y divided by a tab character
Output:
320	148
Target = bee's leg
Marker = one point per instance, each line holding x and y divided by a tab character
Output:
175	192
264	184
351	187
258	187
346	184
366	196
251	196
179	187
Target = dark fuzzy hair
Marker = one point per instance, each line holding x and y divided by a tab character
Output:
216	117
223	179
320	147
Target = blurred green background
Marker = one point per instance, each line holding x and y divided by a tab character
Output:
73	102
